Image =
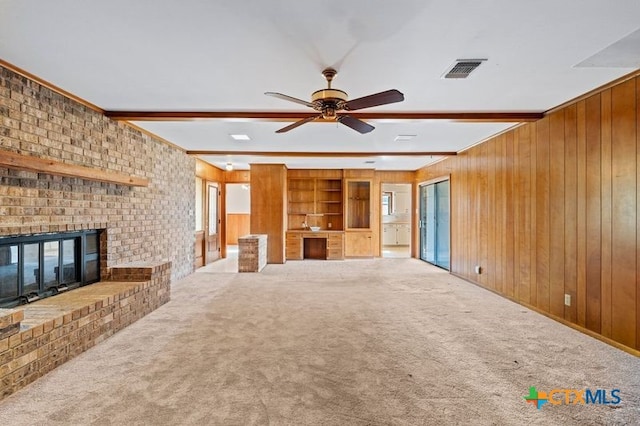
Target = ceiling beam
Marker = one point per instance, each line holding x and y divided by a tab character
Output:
322	154
494	117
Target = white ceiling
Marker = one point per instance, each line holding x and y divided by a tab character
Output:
223	55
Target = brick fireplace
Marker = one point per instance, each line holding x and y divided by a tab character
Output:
146	234
147	223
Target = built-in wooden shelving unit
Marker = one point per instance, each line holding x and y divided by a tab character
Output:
316	202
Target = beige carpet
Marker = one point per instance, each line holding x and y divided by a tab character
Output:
363	342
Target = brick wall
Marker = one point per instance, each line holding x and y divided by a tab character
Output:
143	223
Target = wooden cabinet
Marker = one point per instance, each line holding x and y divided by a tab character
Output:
335	246
358	244
294	246
315	202
358	233
314	245
358	204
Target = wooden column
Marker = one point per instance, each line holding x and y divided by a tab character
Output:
268	204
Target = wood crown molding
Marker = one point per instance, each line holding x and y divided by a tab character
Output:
14	160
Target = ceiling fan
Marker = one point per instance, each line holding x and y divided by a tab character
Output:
329	102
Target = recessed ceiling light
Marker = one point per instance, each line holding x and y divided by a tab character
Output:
404	138
369	162
240	137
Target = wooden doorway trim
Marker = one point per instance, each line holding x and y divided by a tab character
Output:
212	227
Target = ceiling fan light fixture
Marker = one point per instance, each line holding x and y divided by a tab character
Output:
330	95
329	112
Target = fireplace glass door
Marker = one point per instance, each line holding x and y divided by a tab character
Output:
37	266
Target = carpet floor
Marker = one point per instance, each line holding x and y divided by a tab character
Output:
360	342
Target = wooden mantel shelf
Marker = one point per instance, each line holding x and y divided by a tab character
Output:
14	160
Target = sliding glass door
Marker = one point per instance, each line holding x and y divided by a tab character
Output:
434	223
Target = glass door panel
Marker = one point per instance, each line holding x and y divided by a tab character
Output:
31	268
442	224
434	223
8	271
358	204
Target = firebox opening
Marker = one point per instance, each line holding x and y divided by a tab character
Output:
36	266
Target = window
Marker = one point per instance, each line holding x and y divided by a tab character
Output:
387	203
213	209
37	266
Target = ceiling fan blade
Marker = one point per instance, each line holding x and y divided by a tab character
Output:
382	98
298	123
289	98
355	124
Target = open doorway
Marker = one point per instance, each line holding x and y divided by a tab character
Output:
395	214
238	203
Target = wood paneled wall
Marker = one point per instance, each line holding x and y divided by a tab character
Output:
237	176
268	207
551	208
238	225
208	172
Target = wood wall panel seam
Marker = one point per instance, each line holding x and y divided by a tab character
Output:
593	209
581	261
570	211
624	213
606	188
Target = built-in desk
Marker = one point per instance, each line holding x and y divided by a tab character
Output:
323	244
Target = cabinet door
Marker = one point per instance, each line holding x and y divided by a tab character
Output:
293	250
358	204
358	244
388	235
404	235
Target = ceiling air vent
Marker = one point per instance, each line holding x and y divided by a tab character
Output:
463	67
